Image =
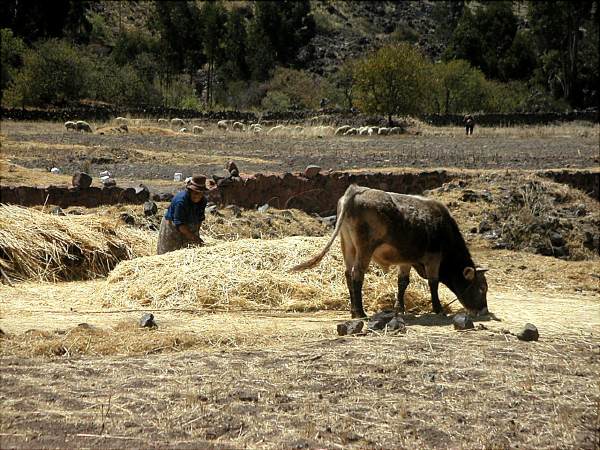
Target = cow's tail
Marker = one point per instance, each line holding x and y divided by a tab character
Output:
348	196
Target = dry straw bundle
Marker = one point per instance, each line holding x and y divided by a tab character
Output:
45	247
250	274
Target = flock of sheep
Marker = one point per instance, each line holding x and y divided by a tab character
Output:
255	128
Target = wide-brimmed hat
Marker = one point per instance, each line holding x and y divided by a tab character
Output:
197	183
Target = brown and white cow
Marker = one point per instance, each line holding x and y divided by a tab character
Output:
407	231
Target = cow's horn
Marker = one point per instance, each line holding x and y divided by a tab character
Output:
481	270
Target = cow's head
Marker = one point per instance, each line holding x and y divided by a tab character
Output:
474	297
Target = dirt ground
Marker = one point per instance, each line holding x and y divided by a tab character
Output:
284	380
153	157
75	374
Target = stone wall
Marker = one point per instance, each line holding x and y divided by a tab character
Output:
318	194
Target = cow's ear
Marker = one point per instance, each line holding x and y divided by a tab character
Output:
469	273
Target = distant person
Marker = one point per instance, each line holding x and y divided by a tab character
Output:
469	123
180	225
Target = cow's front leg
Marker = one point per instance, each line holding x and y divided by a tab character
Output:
357	278
435	299
403	281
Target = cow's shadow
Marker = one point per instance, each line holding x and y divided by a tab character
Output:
437	320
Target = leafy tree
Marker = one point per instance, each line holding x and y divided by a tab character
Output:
33	19
520	59
300	88
392	81
457	88
54	72
343	80
560	27
261	55
447	14
483	38
213	17
234	65
13	49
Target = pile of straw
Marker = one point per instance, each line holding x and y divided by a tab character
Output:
251	274
40	246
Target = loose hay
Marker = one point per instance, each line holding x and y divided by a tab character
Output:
44	247
252	274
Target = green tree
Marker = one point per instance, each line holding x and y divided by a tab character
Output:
392	81
53	72
457	88
33	19
234	65
483	38
302	89
213	17
13	49
560	27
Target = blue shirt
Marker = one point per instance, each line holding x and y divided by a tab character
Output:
183	210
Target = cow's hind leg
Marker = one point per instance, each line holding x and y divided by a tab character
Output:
349	253
403	281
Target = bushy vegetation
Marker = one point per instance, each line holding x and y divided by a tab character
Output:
245	55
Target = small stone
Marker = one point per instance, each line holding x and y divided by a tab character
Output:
380	320
484	227
58	211
109	182
311	171
263	208
86	326
350	327
396	325
150	209
127	218
560	252
2	333
235	210
557	239
528	333
462	322
329	220
76	212
232	168
81	180
162	197
147	321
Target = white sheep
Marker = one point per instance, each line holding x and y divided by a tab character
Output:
163	122
299	129
197	130
122	120
183	130
363	131
351	132
238	126
395	130
222	125
81	125
341	130
276	129
373	130
177	122
383	131
70	125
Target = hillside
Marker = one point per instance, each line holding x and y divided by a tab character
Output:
344	29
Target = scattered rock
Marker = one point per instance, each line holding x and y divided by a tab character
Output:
162	197
150	209
462	321
263	208
2	333
311	171
86	326
380	320
147	321
560	252
396	325
246	396
213	210
58	211
235	210
109	182
81	180
474	196
350	327
528	333
127	218
76	212
328	221
232	168
484	227
557	239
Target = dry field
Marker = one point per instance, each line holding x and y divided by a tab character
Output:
152	154
246	355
